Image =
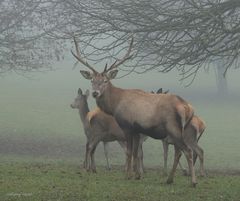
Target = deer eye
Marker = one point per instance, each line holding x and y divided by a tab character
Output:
105	81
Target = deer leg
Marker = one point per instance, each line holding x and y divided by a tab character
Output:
93	147
124	147
85	159
177	156
200	153
88	161
189	156
136	140
140	156
129	138
184	171
106	151
165	155
194	157
92	154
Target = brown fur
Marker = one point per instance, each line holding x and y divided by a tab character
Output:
198	126
92	113
150	114
193	132
99	126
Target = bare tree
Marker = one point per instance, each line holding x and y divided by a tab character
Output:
25	43
186	34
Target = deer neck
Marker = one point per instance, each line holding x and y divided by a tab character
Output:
109	99
83	111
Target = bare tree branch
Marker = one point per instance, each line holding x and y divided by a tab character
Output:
169	34
185	35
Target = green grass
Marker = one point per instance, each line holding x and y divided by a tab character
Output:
61	181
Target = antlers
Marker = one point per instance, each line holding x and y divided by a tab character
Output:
117	63
121	61
78	56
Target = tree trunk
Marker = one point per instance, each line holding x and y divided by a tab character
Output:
222	87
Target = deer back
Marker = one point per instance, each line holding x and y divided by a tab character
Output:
145	109
105	124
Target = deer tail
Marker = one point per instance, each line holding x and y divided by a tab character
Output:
188	115
202	129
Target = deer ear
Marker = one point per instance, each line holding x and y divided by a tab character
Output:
79	91
166	91
86	74
87	93
159	91
112	74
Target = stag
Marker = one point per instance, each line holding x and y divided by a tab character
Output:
99	127
136	111
192	133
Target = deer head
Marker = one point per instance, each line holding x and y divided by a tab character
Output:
100	81
80	99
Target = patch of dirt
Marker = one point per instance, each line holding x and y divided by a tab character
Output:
39	147
74	147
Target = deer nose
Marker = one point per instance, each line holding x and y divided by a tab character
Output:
95	94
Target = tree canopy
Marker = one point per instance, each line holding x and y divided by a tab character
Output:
25	44
186	35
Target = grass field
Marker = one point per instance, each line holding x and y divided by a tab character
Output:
42	149
60	181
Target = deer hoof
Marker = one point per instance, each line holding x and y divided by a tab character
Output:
169	181
137	176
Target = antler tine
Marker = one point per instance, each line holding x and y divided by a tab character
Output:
105	68
78	56
111	67
121	61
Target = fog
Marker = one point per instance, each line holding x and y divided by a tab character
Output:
66	79
36	119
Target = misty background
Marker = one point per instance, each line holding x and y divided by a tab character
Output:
37	122
39	79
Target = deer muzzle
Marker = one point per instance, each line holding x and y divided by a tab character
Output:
95	94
